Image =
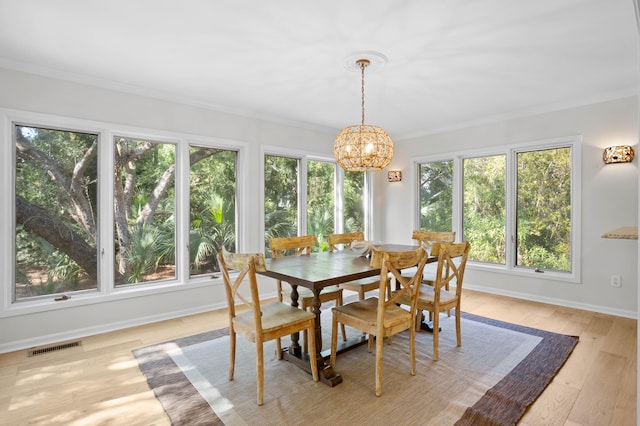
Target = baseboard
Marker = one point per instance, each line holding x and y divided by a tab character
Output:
559	302
105	328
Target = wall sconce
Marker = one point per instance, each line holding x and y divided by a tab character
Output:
394	175
618	154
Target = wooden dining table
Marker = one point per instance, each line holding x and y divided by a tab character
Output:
315	272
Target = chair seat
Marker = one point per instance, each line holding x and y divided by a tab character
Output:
363	315
427	294
371	283
326	294
278	319
426	298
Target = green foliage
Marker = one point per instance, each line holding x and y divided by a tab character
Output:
320	200
354	201
544	209
320	224
281	197
48	178
436	196
212	207
209	232
484	207
141	253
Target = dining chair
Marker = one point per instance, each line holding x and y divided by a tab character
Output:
259	324
302	246
427	239
452	261
382	316
363	285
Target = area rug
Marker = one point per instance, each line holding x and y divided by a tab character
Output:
491	379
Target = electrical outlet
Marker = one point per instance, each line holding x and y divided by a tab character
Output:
615	281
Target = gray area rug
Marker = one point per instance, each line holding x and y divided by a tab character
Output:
498	372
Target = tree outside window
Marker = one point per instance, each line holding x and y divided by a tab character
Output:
212	207
484	208
536	233
55	211
436	196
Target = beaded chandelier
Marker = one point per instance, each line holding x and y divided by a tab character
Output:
363	147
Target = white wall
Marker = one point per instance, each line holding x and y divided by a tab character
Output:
610	198
609	201
35	94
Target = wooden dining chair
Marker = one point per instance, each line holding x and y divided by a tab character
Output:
452	261
427	239
302	246
259	324
343	241
382	316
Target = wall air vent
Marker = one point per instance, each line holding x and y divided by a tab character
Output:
49	349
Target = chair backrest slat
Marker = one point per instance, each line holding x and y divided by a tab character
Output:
346	239
301	245
429	239
242	291
448	269
391	264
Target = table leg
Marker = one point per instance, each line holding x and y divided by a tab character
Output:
295	348
326	374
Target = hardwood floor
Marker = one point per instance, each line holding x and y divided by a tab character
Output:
99	383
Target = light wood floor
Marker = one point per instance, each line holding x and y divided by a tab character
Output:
99	383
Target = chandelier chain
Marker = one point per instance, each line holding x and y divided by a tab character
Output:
362	67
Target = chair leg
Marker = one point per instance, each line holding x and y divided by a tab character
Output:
412	349
342	328
279	290
305	336
379	347
305	340
312	352
260	371
232	353
278	349
436	332
334	340
458	329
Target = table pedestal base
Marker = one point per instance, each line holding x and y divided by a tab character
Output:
326	374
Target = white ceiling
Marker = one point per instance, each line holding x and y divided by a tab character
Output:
450	63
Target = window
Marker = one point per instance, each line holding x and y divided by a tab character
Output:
543	232
144	208
280	198
334	200
354	202
321	200
169	206
484	208
436	195
56	174
517	208
212	207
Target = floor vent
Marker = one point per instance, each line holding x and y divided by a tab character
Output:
49	349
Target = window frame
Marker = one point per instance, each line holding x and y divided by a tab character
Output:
105	243
303	158
511	151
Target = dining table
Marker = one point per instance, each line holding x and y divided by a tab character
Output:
316	271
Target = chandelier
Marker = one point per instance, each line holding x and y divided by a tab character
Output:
363	147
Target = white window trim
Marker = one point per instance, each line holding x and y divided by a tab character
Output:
575	141
304	157
106	131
